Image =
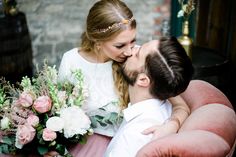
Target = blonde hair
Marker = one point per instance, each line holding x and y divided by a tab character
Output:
103	15
121	85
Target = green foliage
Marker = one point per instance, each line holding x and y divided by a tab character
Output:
2	97
83	140
107	118
6	145
186	8
9	7
42	150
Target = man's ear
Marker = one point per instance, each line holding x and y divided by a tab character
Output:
143	80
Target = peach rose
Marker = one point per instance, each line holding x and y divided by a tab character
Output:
33	120
49	135
24	134
25	99
42	104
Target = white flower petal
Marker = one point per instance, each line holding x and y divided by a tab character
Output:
17	144
55	123
5	122
76	121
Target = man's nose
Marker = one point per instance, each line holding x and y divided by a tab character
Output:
128	51
135	49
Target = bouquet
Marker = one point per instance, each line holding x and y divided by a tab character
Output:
43	114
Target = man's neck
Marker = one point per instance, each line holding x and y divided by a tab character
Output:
138	95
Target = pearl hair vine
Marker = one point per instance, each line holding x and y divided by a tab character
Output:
115	25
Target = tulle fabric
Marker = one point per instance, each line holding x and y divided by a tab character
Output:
95	147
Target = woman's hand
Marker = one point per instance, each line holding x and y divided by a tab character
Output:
51	154
169	127
180	112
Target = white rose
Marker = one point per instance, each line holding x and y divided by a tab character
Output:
5	122
55	123
75	120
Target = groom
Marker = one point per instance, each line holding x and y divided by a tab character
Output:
158	70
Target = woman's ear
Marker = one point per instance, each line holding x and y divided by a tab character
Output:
143	80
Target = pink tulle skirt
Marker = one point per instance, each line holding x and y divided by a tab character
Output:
95	147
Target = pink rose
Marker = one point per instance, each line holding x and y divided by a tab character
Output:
24	134
33	120
25	99
49	135
42	104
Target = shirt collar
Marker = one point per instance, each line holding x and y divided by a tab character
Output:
138	108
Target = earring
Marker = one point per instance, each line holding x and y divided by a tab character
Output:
97	45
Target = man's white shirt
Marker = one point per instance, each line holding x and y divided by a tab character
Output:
137	117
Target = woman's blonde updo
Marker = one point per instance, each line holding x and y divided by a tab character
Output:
103	15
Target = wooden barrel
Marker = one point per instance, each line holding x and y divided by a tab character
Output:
15	48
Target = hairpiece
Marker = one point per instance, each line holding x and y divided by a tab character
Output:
123	22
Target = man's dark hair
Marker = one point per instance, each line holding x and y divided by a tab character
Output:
169	69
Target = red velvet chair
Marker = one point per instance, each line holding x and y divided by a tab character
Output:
209	131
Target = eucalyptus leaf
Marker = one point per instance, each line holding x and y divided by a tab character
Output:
4	149
102	123
93	122
98	117
8	140
113	117
60	149
42	150
102	109
107	121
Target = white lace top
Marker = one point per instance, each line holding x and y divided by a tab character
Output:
99	79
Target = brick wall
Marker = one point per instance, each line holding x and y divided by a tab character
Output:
56	25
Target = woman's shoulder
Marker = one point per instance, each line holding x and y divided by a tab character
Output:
71	55
72	52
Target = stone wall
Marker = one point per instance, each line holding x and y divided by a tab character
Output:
56	25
